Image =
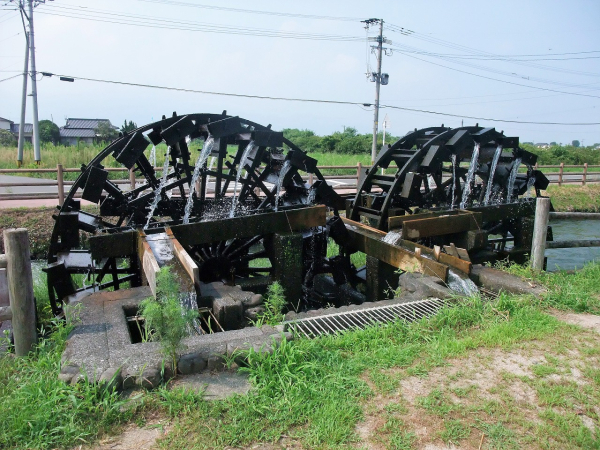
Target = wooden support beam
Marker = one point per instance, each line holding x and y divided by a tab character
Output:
440	225
397	221
150	267
113	245
368	240
184	258
248	226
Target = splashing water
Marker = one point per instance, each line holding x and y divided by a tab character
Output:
490	182
512	178
153	156
392	238
470	176
453	158
284	170
530	183
247	151
312	195
158	190
206	149
210	168
461	284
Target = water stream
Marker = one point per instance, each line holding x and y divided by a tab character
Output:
206	149
490	182
282	173
453	158
158	190
530	183
573	258
512	178
392	237
238	174
470	176
461	284
153	156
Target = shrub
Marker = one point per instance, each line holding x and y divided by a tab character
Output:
166	320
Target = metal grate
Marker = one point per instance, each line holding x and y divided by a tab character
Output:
312	327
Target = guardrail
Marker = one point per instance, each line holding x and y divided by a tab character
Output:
560	177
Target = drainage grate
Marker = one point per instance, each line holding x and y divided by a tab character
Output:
312	327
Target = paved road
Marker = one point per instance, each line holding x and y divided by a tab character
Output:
40	186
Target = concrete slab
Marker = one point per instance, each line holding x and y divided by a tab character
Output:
216	386
100	344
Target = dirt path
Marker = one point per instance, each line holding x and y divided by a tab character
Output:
541	394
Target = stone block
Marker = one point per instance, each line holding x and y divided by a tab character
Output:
423	286
229	312
216	357
149	378
111	378
496	280
193	363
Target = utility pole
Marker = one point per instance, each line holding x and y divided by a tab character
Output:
36	124
377	77
23	102
29	54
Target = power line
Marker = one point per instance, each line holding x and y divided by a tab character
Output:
501	81
305	100
10	78
420	36
252	11
182	25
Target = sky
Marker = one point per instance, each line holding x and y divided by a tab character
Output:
463	58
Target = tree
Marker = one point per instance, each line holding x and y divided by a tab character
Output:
127	127
553	143
575	143
49	132
106	132
7	139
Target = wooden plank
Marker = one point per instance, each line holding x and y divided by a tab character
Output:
368	240
113	245
248	226
150	267
440	225
444	258
184	258
397	221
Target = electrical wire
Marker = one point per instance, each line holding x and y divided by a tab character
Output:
251	11
334	102
153	22
473	51
501	81
10	78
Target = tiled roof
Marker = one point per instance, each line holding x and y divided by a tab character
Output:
14	128
77	132
90	124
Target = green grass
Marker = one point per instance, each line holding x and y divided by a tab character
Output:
575	198
310	390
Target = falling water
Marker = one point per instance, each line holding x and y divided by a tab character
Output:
512	178
153	156
210	168
453	158
530	183
284	170
247	151
490	182
312	195
158	190
461	284
470	176
392	238
206	149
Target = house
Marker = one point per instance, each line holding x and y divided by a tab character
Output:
542	145
81	130
9	125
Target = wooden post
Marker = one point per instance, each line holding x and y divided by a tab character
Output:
560	174
310	179
61	184
540	231
20	285
132	179
358	170
583	179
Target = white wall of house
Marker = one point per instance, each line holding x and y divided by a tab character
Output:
4	124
